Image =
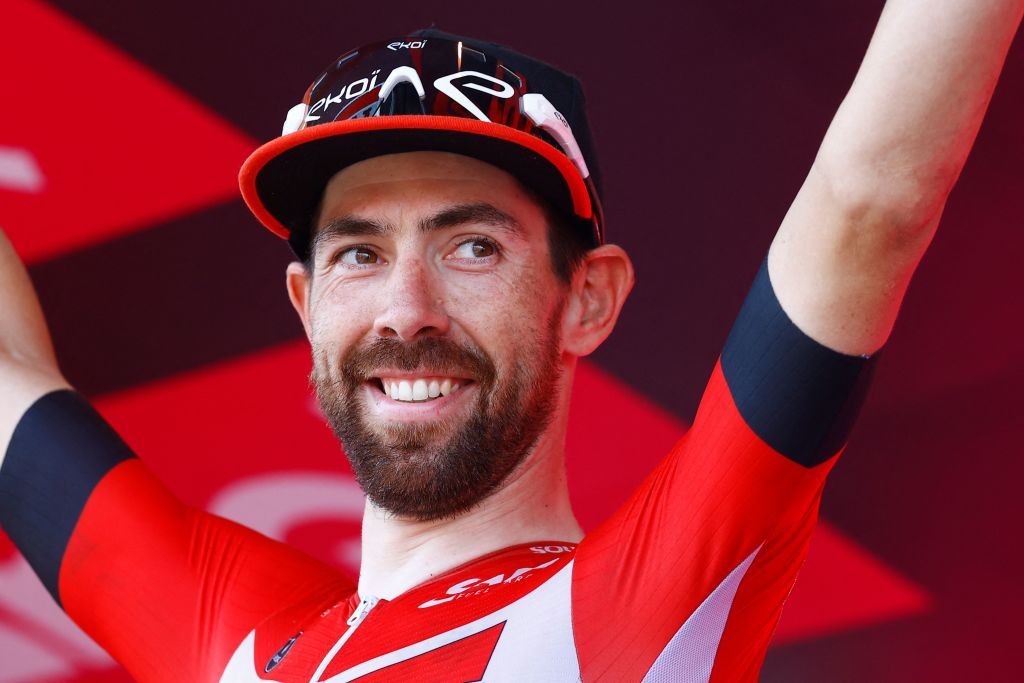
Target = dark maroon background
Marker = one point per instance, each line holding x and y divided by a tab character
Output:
707	116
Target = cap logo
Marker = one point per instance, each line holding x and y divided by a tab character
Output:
350	92
413	45
446	84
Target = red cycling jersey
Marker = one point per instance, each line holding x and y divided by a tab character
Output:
685	582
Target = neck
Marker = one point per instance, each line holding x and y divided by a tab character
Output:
533	505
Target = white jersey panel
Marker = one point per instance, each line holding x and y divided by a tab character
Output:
690	654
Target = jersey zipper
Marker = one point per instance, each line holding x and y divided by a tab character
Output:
358	616
365	605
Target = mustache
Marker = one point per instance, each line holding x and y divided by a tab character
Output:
439	355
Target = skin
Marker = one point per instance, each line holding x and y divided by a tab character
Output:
868	209
434	283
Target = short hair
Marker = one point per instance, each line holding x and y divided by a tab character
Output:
569	240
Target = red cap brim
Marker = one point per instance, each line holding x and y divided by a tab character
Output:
283	180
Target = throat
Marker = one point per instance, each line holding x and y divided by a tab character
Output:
399	555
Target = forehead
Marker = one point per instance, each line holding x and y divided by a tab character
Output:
415	182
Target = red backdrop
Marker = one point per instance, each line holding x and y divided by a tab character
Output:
122	128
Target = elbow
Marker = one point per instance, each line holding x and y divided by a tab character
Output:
901	209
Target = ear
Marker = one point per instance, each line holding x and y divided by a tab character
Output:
298	282
599	289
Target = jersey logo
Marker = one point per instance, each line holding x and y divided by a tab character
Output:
476	586
280	654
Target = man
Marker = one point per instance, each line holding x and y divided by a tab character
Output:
440	195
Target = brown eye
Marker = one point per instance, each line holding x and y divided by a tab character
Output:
476	248
359	256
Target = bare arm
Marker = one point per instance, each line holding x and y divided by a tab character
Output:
28	367
843	257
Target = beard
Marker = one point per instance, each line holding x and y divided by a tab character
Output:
443	468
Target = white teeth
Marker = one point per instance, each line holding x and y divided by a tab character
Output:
419	390
404	391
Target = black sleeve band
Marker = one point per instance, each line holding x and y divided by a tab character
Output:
799	397
60	450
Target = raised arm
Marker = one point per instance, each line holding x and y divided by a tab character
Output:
846	250
28	367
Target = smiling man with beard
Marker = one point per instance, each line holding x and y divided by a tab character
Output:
435	467
436	398
442	199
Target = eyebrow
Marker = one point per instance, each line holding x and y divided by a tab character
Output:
479	213
349	226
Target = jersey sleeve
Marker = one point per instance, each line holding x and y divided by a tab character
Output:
687	580
169	591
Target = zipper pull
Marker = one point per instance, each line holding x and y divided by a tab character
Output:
365	605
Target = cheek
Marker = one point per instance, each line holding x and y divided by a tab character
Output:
507	319
338	322
343	304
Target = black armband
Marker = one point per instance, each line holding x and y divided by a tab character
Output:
798	396
60	450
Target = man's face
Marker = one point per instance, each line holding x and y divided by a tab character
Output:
434	319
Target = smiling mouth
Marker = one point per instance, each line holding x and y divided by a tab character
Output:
419	389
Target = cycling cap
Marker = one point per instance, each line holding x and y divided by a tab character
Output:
429	90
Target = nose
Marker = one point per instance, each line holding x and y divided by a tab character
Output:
411	307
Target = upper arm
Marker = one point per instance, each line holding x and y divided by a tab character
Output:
166	589
171	591
726	517
843	257
28	366
23	384
846	250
